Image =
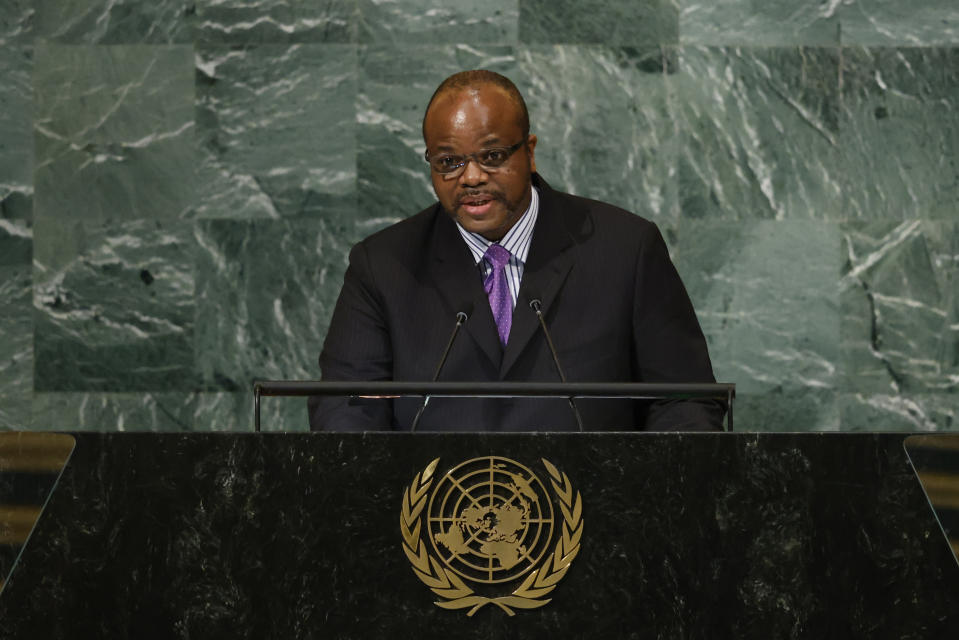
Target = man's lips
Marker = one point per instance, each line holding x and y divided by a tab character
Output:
476	206
477	200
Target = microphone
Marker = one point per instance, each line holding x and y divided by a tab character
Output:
461	317
537	307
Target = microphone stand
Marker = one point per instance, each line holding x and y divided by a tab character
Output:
536	306
461	317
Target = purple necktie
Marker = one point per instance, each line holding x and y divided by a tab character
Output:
500	301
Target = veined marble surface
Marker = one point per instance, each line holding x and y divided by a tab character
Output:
616	22
259	21
619	146
16	140
760	132
783	357
113	131
265	293
119	314
153	411
116	21
16	323
415	21
16	213
899	133
16	22
276	131
73	411
774	23
891	22
899	412
900	307
180	184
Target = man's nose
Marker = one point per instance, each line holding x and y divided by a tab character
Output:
473	173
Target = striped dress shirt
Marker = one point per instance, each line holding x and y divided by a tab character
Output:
516	241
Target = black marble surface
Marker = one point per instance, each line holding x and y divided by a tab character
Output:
297	536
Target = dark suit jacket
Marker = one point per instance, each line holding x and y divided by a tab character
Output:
612	300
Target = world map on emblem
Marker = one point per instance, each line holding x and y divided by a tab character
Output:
490	519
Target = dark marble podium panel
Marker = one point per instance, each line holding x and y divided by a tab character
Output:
297	536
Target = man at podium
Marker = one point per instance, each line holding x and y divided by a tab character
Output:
498	248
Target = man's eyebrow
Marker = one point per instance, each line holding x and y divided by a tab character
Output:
487	142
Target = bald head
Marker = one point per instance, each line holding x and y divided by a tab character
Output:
475	79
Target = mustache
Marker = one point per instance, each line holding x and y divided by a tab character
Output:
471	194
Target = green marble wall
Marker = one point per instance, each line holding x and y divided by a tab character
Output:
180	183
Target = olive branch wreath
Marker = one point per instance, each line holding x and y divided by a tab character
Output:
449	586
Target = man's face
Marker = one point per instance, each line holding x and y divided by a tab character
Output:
460	122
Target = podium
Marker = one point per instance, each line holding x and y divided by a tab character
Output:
712	535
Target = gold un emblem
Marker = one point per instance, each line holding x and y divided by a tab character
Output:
486	533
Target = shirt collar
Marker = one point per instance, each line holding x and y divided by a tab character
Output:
516	240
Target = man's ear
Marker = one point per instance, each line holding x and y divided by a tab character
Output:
531	149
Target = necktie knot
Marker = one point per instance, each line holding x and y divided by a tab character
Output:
498	256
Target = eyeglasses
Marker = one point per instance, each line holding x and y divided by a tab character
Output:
490	159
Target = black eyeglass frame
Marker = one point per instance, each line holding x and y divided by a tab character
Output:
466	157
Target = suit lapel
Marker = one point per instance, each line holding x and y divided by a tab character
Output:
459	282
551	256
